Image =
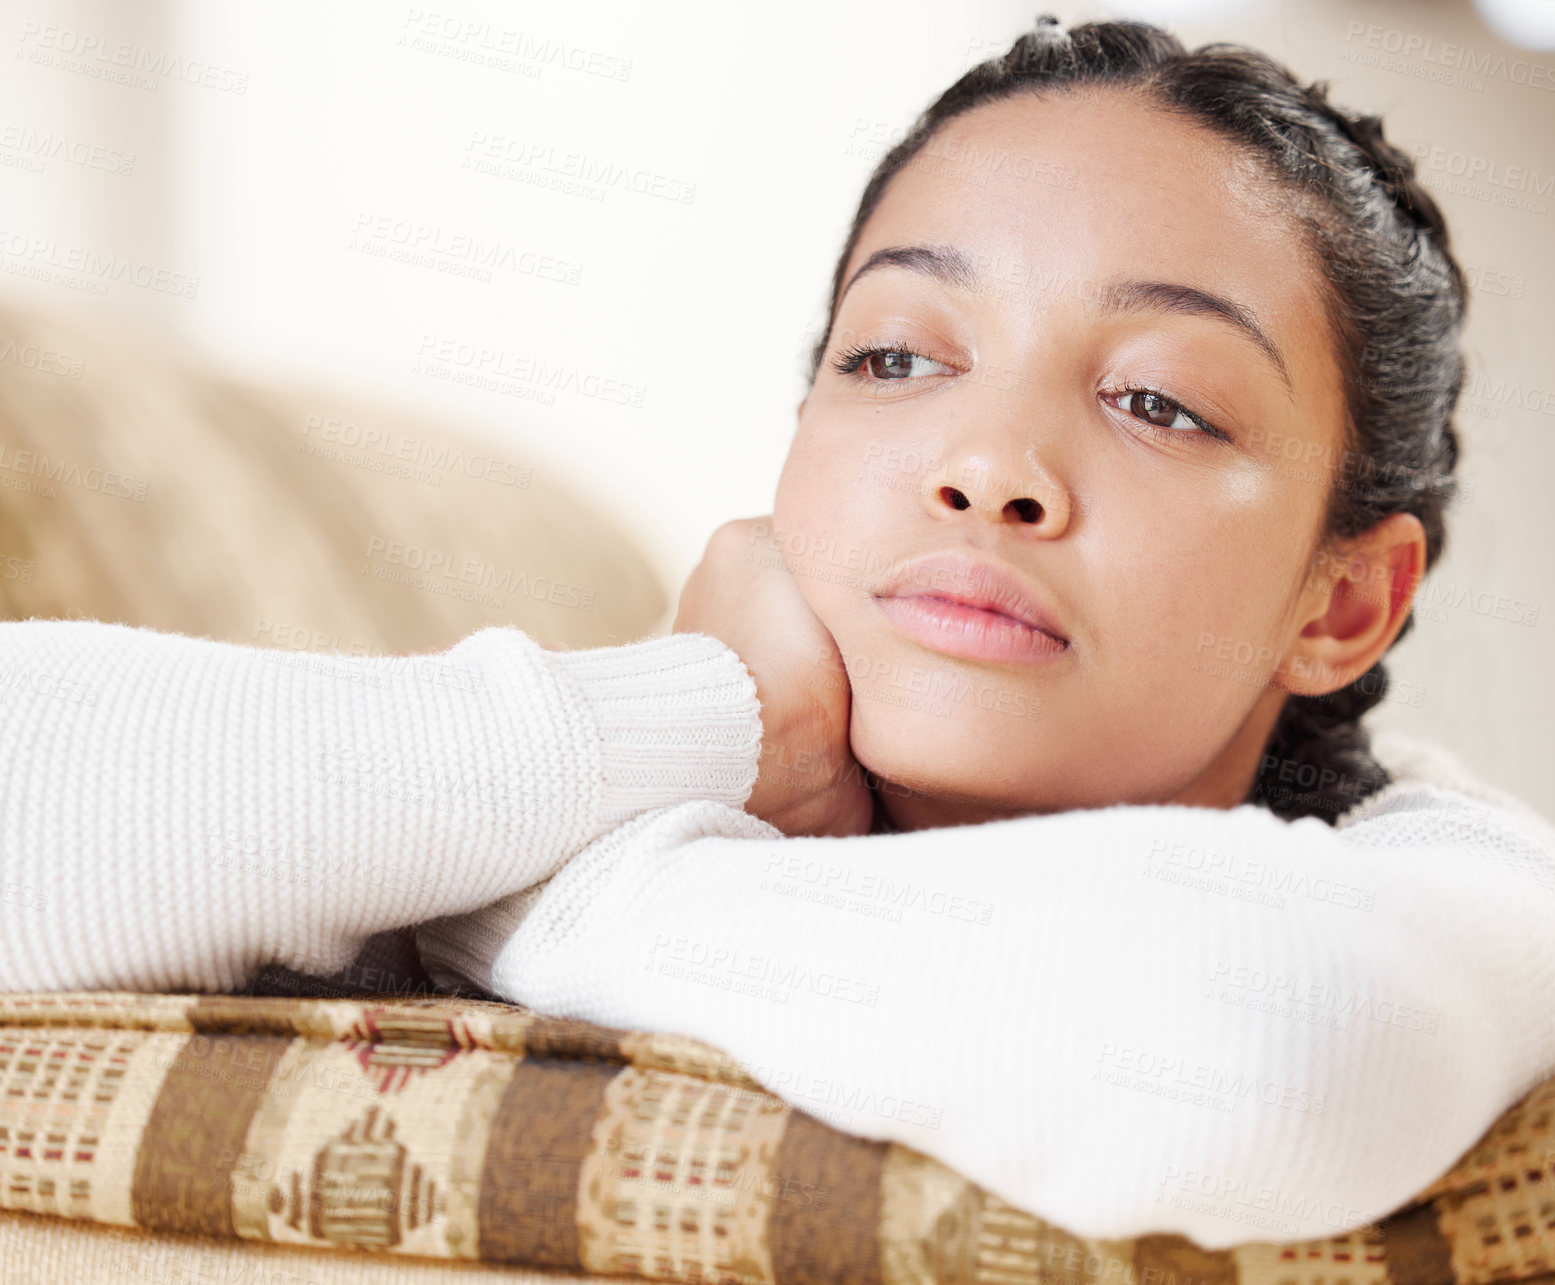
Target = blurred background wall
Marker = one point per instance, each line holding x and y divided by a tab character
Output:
406	199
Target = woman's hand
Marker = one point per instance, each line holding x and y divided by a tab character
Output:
741	594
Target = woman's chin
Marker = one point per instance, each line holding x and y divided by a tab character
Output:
940	760
922	809
981	765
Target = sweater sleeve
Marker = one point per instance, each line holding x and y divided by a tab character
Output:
177	812
1125	1020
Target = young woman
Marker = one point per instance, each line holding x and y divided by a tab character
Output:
1004	792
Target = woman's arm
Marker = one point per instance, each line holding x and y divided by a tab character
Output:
1123	1020
177	812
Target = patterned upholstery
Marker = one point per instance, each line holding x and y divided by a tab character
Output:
457	1131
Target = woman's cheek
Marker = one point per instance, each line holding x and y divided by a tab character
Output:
809	484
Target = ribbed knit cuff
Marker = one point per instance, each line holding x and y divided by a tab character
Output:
678	719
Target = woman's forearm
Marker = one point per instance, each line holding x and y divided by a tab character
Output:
1098	1015
177	812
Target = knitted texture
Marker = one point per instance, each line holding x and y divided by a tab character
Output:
1125	1020
178	812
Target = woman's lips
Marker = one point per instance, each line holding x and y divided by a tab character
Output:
975	633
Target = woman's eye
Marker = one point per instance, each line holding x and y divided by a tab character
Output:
1165	417
894	363
889	364
1158	410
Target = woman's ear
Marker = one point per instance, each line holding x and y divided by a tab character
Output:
1356	599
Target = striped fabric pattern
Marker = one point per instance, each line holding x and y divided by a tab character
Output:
476	1132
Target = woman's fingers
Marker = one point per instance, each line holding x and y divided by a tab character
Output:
809	781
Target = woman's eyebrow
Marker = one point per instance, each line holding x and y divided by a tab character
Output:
942	262
1170	296
953	267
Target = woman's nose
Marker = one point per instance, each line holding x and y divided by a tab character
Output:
1037	503
1025	508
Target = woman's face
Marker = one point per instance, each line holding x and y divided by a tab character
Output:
1039	260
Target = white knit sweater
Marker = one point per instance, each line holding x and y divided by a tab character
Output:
1124	1020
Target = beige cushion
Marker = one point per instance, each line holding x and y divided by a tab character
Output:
137	486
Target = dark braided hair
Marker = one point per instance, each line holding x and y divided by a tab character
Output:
1394	296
